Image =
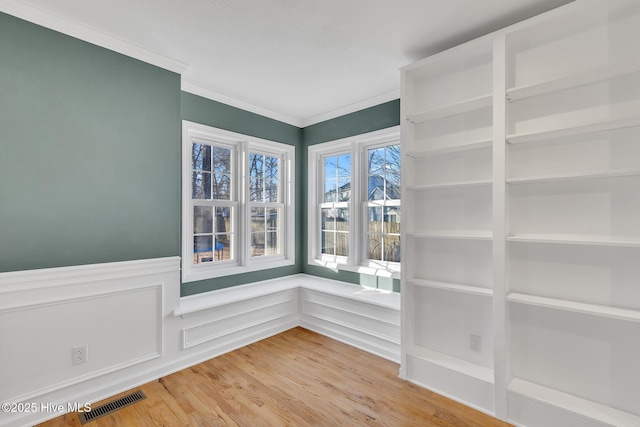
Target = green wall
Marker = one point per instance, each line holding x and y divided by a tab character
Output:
368	120
205	111
89	153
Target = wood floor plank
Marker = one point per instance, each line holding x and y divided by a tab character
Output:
297	378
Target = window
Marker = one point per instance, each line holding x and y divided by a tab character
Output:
354	203
266	205
334	206
383	203
237	208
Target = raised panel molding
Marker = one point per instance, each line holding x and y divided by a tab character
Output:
344	314
246	319
54	369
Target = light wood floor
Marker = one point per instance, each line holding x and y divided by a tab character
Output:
297	378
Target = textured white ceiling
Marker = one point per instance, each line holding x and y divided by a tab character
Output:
296	60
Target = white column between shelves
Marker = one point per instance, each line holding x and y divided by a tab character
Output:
499	227
406	328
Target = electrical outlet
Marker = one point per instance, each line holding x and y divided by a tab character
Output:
475	344
79	354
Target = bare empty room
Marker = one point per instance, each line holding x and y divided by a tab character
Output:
274	213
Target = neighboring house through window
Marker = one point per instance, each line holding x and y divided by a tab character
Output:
354	203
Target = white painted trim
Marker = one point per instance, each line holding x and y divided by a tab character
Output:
352	108
351	339
379	297
194	89
188	343
500	215
297	122
353	306
19	281
204	301
61	24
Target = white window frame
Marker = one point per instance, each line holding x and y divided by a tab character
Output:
357	146
241	146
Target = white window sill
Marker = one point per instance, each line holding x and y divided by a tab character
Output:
382	270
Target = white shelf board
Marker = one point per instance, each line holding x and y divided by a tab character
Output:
461	184
573	239
576	307
474	290
572	403
453	234
593	75
601	126
471	369
451	109
470	146
574	176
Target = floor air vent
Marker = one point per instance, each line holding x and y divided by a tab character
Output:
111	407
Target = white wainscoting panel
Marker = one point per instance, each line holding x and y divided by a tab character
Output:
138	329
365	318
117	310
238	318
120	329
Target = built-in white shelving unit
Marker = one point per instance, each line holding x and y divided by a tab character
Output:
448	110
521	198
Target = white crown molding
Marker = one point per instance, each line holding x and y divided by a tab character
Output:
371	102
89	34
215	96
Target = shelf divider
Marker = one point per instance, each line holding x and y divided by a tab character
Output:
576	307
474	290
572	403
574	239
593	75
470	146
454	363
600	126
451	109
575	176
462	235
461	184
